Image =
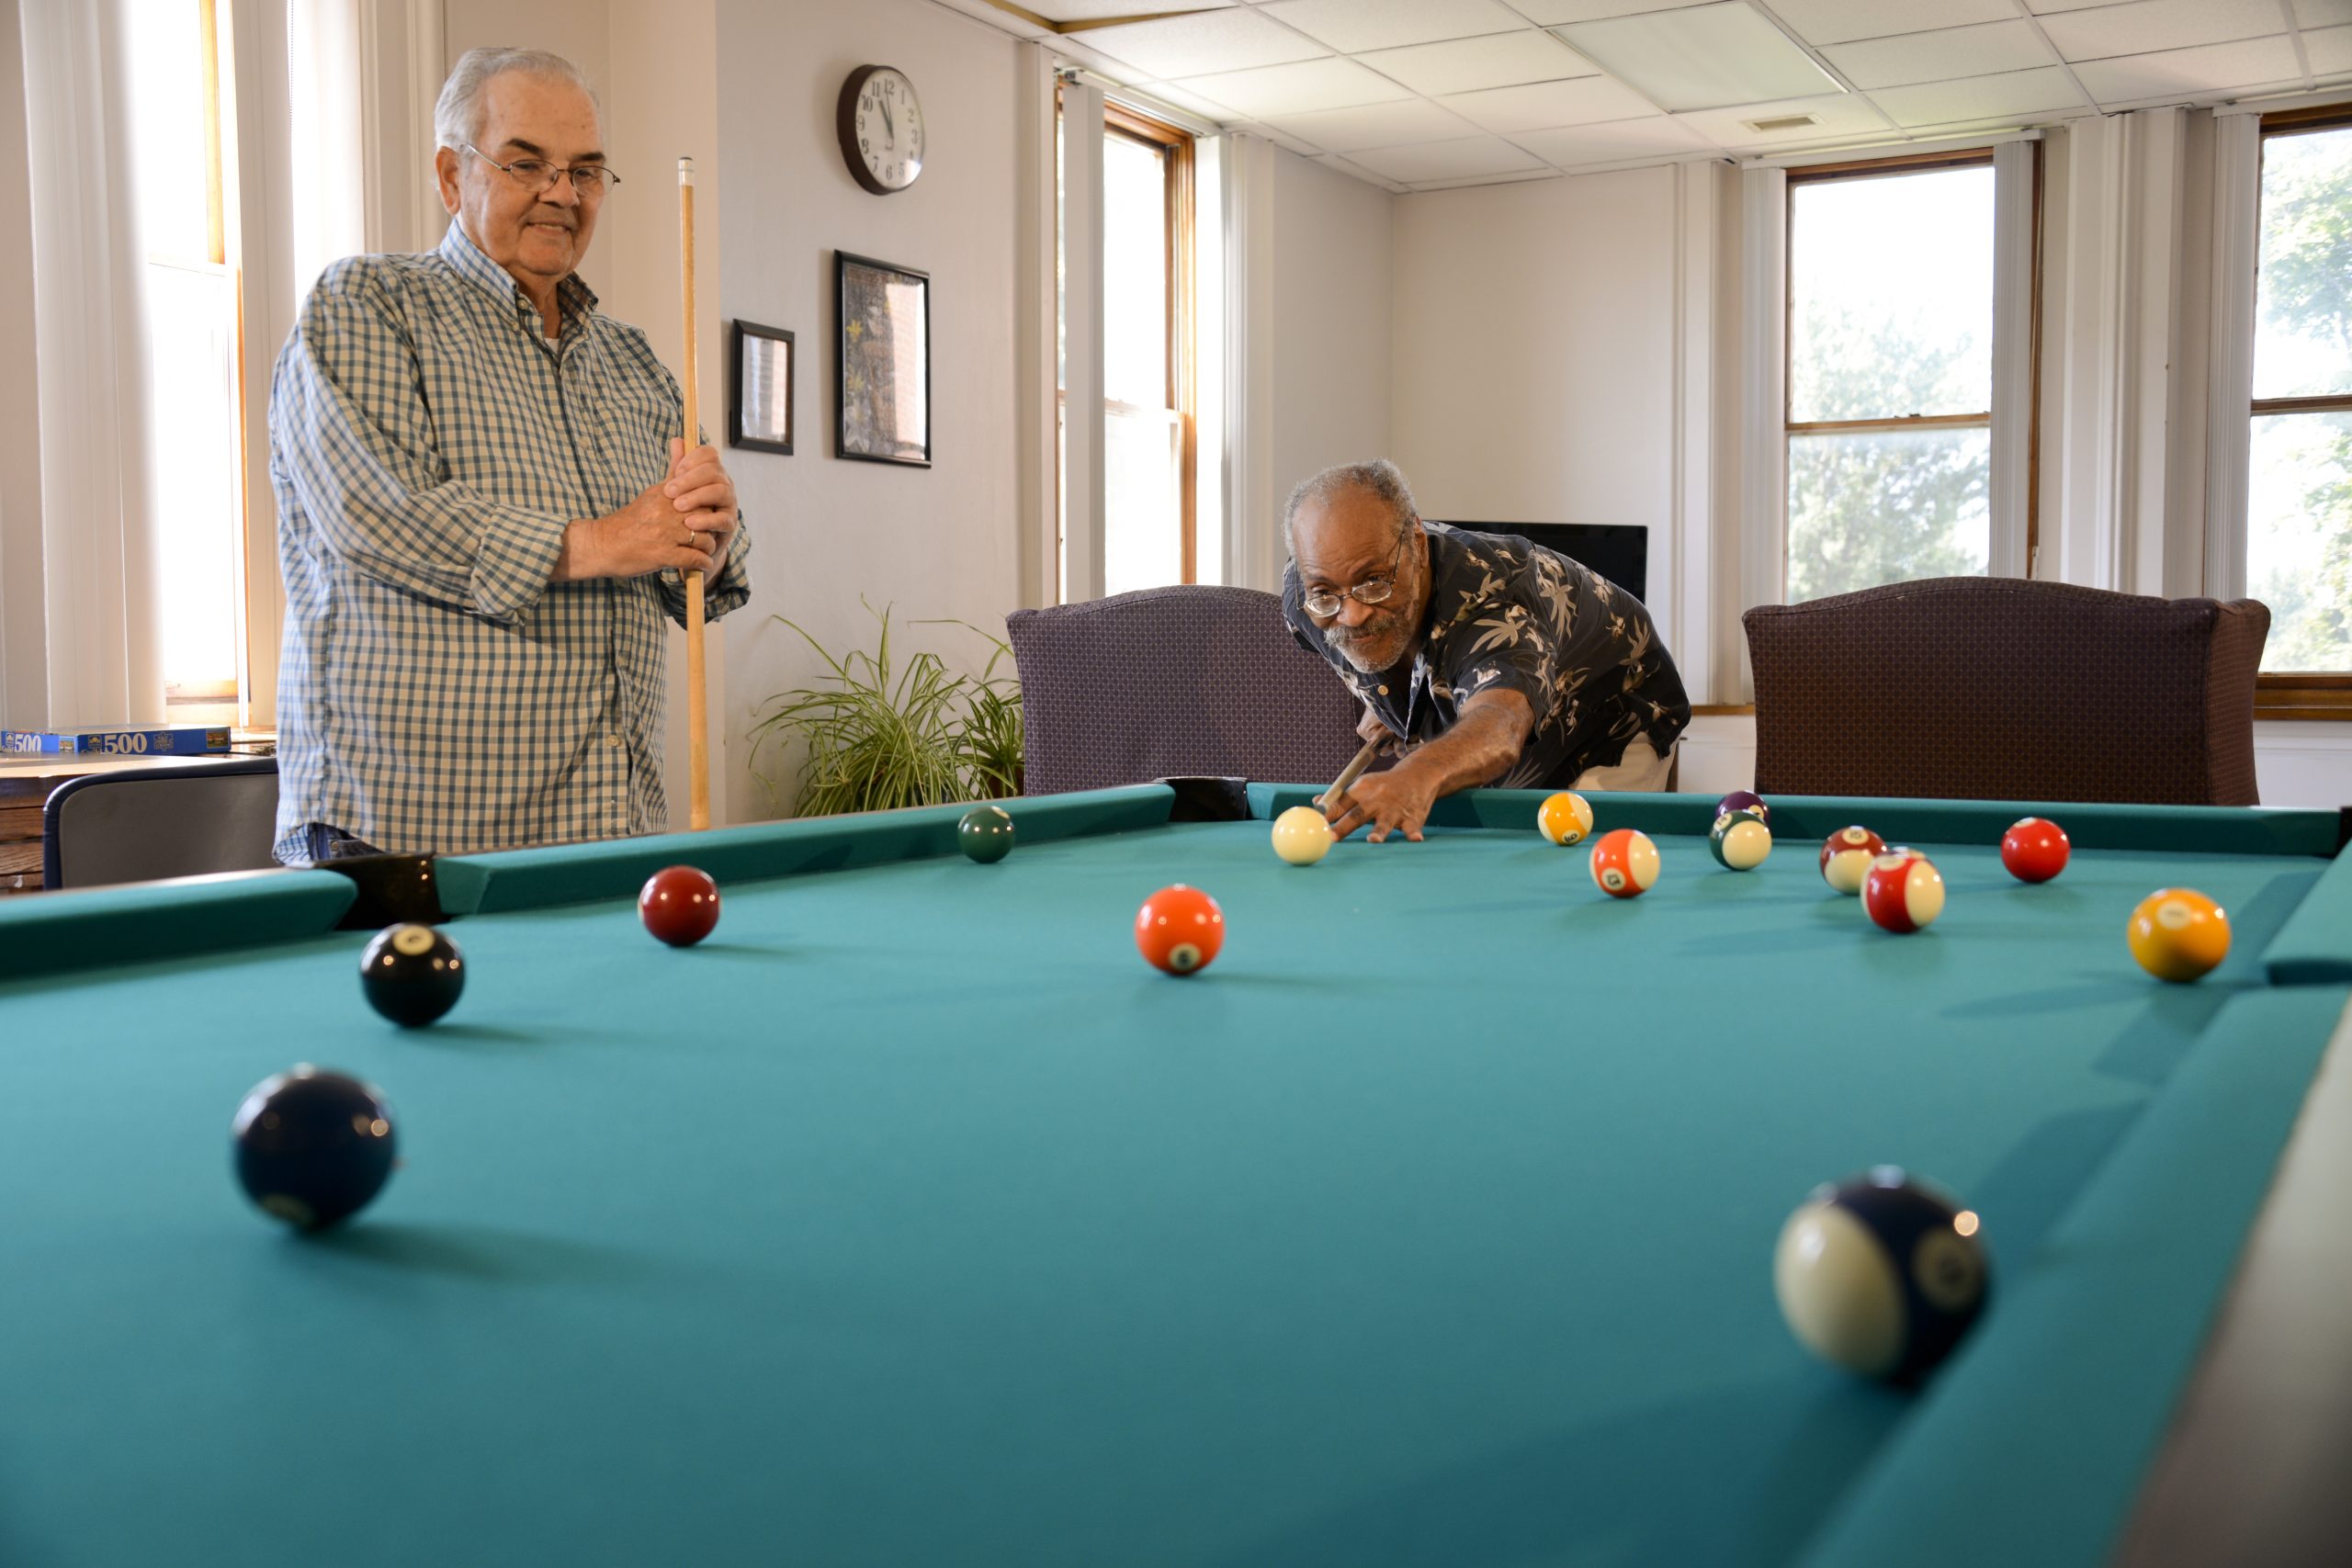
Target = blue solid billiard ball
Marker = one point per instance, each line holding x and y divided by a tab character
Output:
411	973
1880	1274
312	1147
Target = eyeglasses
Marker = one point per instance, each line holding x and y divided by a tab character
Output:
1325	601
589	181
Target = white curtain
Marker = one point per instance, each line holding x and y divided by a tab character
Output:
1252	529
90	537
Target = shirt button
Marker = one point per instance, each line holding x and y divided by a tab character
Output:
1383	691
612	739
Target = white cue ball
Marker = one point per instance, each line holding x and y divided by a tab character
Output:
1301	836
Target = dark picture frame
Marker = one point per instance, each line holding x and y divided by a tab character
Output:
882	358
761	363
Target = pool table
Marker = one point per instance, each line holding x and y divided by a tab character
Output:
912	1218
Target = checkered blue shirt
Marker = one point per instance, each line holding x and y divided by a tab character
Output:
428	444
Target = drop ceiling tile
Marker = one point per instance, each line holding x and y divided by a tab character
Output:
2150	26
1190	102
2045	7
1550	13
2211	72
1977	98
1842	114
1459	159
1352	27
1374	125
1658	135
1300	88
1358	171
1467	64
2323	13
1231	39
1096	10
1543	106
1842	21
1943	56
2330	50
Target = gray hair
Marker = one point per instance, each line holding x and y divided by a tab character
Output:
457	117
1379	478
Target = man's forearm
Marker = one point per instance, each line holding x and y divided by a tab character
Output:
1480	748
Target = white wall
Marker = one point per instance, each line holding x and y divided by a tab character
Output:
941	542
1333	289
1535	349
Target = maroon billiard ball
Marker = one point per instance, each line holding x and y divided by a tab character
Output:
2035	848
680	904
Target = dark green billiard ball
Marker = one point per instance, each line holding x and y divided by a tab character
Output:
986	833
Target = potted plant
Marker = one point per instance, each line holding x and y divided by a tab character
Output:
879	735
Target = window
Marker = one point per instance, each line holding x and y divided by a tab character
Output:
1890	373
1150	433
196	414
2299	502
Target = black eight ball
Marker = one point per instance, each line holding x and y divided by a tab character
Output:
411	973
312	1147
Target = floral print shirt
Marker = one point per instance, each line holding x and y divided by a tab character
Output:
1506	613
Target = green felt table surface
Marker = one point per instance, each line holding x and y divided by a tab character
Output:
912	1218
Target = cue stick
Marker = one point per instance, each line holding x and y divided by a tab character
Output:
1353	772
697	704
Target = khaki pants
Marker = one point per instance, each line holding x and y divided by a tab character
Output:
1641	769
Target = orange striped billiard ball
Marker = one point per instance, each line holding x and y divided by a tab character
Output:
1180	929
1624	863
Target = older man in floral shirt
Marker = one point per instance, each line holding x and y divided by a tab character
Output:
1492	661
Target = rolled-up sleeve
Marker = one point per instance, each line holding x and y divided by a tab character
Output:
350	424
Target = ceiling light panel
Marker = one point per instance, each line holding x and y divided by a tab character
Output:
1706	57
1352	27
1231	40
1466	65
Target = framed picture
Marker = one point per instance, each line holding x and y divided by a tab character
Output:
759	388
882	335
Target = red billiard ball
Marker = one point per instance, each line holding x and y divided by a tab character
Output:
1903	892
680	904
1846	857
1180	929
2035	848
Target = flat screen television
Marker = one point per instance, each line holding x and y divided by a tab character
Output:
1619	551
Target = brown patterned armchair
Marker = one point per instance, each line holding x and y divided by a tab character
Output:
2002	689
1172	683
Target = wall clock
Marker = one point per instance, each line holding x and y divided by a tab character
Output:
881	129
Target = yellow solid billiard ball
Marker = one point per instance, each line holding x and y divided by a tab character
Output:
1564	819
2178	933
1301	836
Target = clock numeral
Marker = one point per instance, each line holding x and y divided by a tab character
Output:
863	145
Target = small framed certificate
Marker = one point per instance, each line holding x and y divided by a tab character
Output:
758	401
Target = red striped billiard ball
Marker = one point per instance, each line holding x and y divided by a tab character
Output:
2035	848
1180	929
1903	892
1846	857
680	904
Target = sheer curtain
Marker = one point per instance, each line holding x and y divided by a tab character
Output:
85	533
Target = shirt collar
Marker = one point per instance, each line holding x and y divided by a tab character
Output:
574	298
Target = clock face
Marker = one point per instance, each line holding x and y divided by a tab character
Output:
882	130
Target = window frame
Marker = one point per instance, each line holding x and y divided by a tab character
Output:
1887	166
2297	695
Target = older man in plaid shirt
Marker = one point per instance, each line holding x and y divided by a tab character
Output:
484	511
